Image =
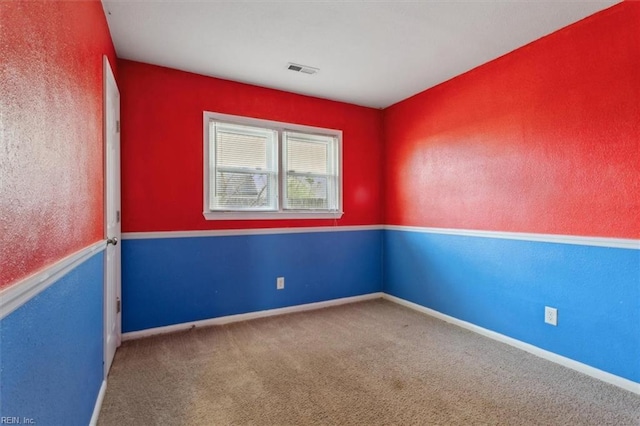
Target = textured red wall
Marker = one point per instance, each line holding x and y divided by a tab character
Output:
162	145
545	139
51	157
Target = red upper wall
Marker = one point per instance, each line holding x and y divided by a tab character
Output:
162	144
545	139
51	158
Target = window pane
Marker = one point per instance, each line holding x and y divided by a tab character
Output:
245	160
307	192
311	172
244	147
242	190
304	156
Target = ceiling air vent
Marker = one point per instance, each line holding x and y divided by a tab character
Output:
302	68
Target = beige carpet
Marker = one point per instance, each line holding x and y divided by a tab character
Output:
370	363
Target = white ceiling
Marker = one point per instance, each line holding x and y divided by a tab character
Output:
372	53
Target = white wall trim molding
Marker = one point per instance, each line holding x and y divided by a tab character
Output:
252	231
624	243
24	290
98	406
542	353
248	316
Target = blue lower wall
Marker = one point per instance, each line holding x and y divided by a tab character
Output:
51	351
51	348
169	281
503	285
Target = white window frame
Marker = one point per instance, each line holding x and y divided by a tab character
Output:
281	212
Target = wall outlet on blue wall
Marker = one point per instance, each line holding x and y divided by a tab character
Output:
280	283
551	315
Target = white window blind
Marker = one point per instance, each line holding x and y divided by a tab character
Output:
311	169
245	162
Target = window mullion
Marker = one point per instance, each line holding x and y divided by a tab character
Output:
279	175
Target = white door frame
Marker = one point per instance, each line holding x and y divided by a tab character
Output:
112	229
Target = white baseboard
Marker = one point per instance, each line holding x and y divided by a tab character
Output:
248	316
550	356
98	406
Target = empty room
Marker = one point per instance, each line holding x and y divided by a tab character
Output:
319	212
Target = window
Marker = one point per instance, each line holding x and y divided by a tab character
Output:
258	169
245	162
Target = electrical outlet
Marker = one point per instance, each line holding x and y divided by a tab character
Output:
280	283
550	315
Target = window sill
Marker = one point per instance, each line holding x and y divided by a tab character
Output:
210	215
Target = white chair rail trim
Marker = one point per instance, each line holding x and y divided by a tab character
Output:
17	294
